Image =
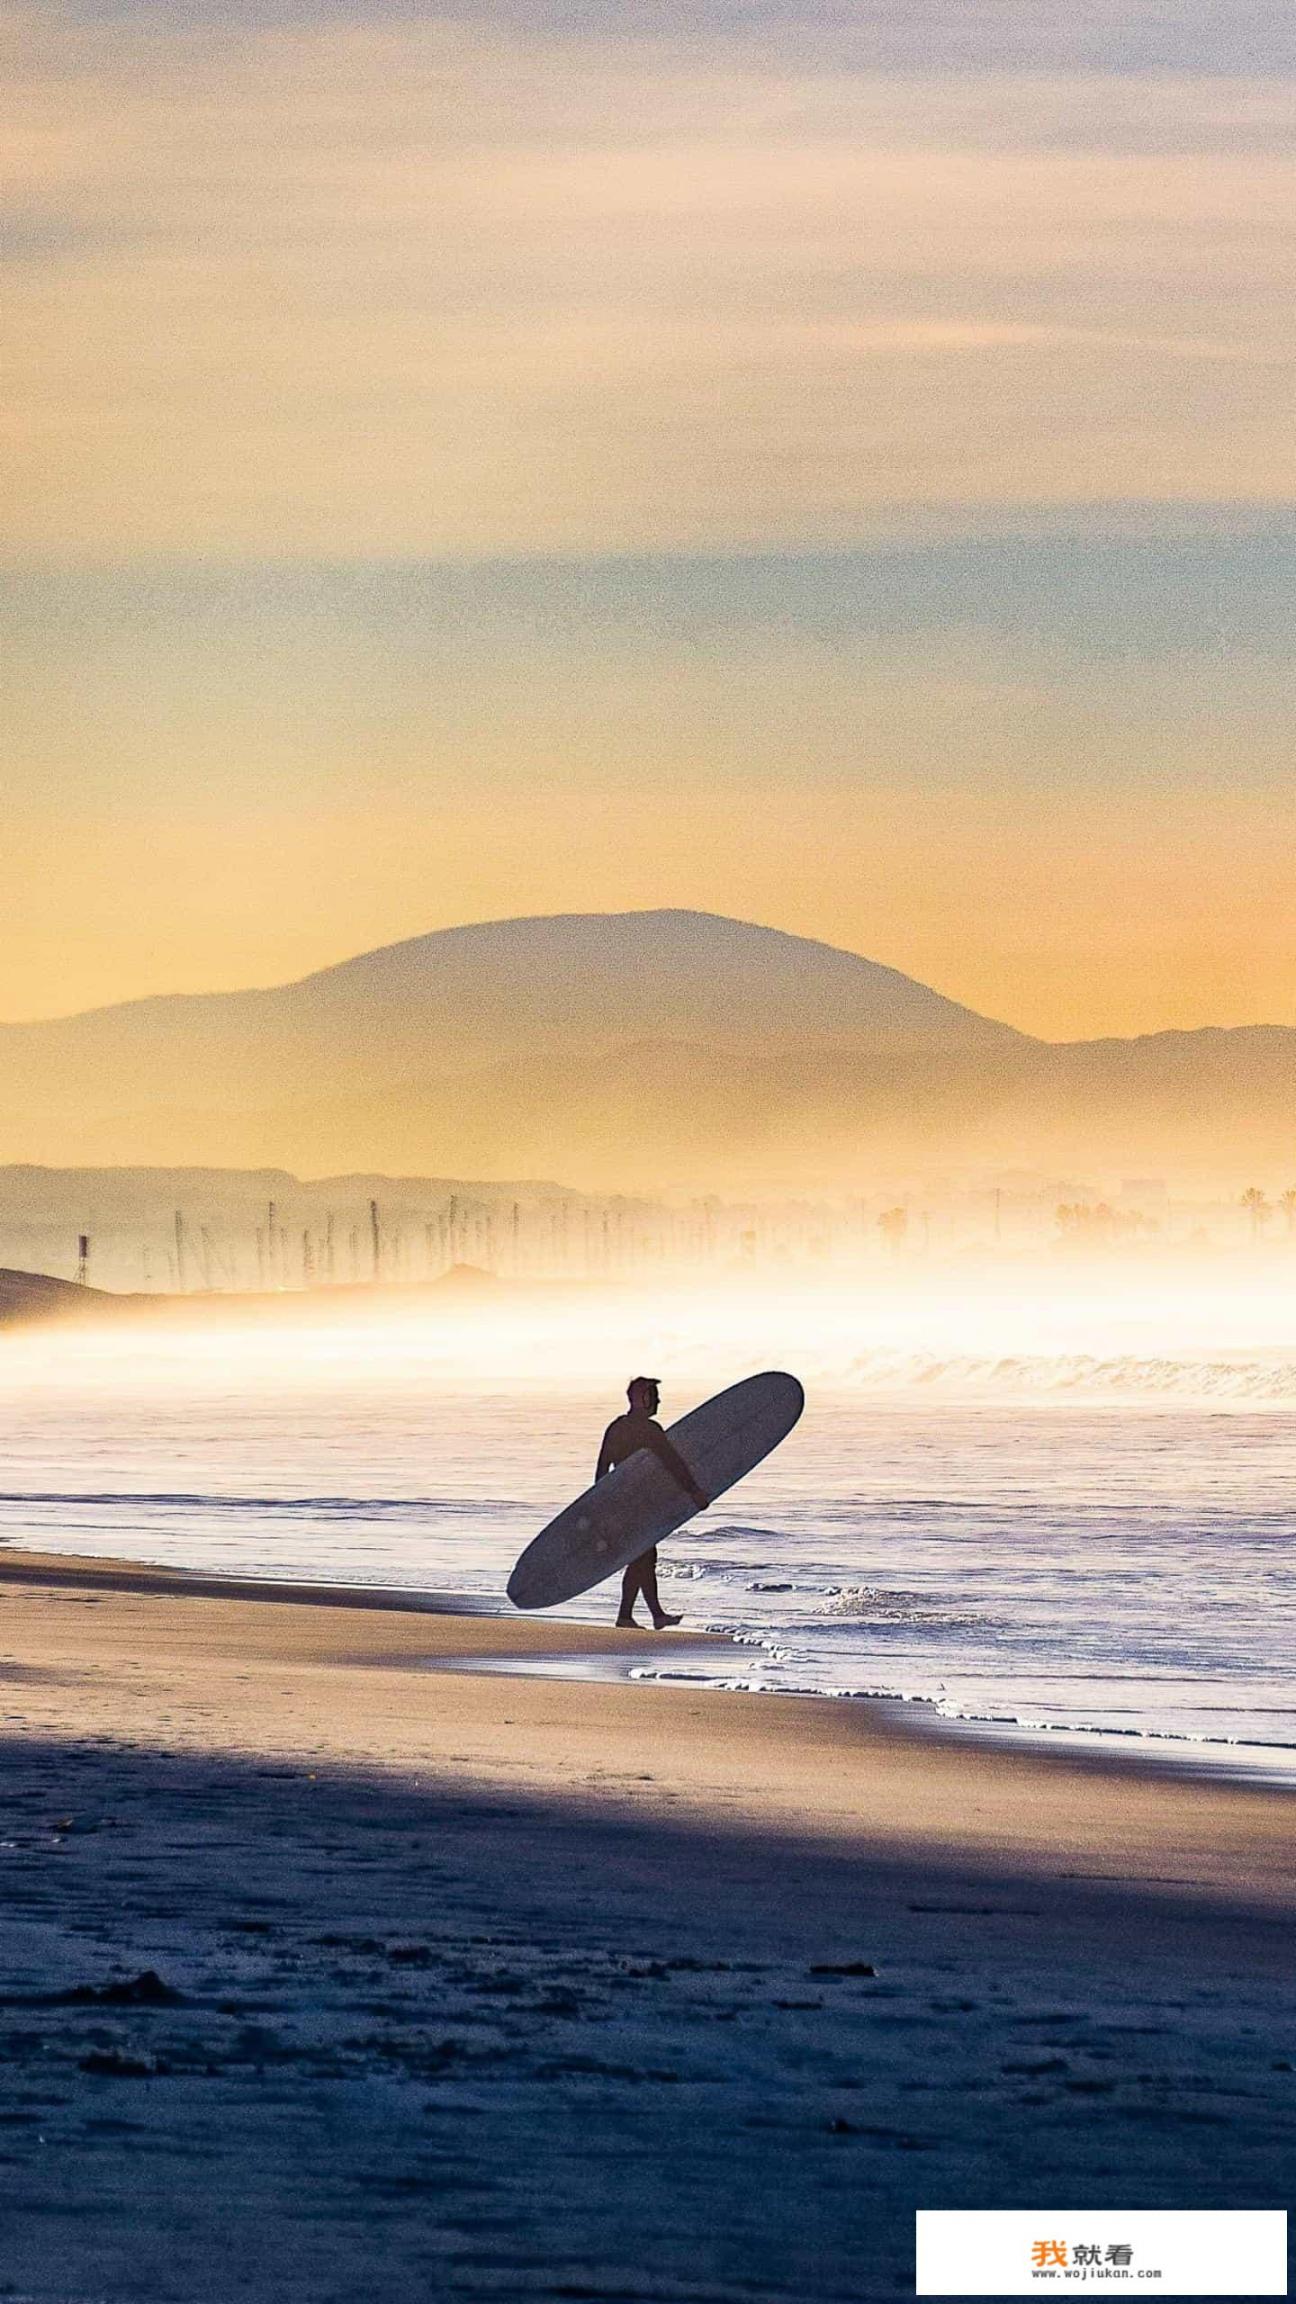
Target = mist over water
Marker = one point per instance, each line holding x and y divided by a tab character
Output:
1052	1533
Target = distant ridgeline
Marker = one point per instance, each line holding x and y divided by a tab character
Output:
636	1054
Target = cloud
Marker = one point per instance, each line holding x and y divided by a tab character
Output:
1134	37
395	287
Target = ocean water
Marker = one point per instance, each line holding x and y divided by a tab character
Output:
1065	1542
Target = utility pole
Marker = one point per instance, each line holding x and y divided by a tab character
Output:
375	1239
271	1238
83	1258
181	1275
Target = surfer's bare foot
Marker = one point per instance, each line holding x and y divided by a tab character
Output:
627	1624
663	1622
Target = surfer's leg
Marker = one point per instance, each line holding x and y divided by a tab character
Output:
631	1587
648	1584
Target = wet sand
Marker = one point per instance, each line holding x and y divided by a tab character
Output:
511	1986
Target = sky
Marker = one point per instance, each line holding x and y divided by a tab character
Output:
834	467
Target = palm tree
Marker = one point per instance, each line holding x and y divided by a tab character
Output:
893	1224
1287	1203
1257	1208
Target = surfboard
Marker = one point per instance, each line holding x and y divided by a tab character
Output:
639	1503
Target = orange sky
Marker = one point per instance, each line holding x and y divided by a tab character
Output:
621	338
1068	921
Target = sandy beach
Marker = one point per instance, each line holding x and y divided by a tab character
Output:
352	1954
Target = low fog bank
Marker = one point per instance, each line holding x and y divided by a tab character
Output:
1058	1325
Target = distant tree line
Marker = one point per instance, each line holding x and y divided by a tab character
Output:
1261	1210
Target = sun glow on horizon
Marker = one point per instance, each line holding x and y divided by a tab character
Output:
1229	1336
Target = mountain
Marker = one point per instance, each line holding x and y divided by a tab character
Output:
577	984
635	1051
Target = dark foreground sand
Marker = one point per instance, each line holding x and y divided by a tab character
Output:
513	1987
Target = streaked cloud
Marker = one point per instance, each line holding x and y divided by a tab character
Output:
831	465
1134	37
392	287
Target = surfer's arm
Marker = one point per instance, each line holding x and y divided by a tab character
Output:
605	1455
678	1469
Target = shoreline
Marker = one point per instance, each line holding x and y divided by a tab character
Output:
558	1676
587	1649
920	1715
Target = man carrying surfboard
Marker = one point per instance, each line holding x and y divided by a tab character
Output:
649	1483
625	1435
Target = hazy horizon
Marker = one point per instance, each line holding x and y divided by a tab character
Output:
651	1052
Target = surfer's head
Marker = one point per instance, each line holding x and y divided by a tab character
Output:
645	1393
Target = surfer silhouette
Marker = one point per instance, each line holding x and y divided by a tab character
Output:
625	1435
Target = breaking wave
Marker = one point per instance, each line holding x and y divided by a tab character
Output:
1243	1379
869	1604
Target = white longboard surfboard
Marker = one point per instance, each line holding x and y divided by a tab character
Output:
634	1506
